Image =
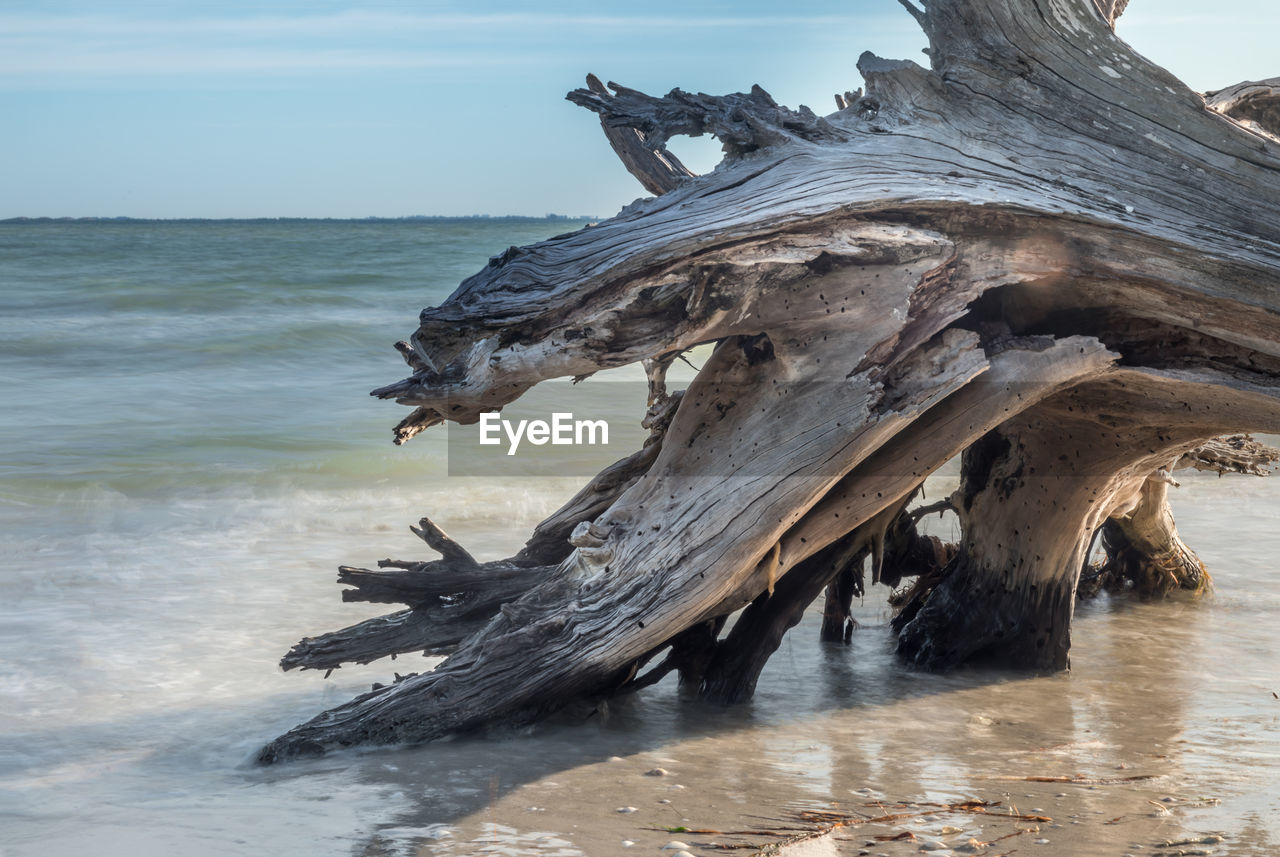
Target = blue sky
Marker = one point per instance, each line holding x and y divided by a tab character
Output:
151	108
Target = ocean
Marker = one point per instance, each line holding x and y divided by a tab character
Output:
188	451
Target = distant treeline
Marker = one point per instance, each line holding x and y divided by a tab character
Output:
430	218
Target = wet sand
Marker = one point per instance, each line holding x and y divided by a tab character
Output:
1164	738
1134	785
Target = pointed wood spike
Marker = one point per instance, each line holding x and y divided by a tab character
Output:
439	540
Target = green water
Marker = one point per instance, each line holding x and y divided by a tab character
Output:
158	357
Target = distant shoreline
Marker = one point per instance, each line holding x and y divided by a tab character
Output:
415	218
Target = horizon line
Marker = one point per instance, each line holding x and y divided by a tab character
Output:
119	218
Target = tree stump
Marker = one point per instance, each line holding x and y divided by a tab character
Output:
1043	252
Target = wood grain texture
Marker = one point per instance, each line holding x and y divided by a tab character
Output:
1043	252
1253	103
646	158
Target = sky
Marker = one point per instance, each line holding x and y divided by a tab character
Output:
285	108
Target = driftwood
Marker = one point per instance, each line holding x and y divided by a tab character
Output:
1254	104
1043	253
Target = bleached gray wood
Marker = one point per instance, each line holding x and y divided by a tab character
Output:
1111	9
657	169
423	631
1036	489
1041	246
1235	454
1254	103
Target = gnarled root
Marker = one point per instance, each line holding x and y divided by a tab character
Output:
1145	554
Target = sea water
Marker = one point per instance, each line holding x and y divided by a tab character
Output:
187	451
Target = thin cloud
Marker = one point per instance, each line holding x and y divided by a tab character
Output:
347	23
168	61
56	50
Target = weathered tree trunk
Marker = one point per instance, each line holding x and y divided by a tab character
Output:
1044	252
1144	553
1144	550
